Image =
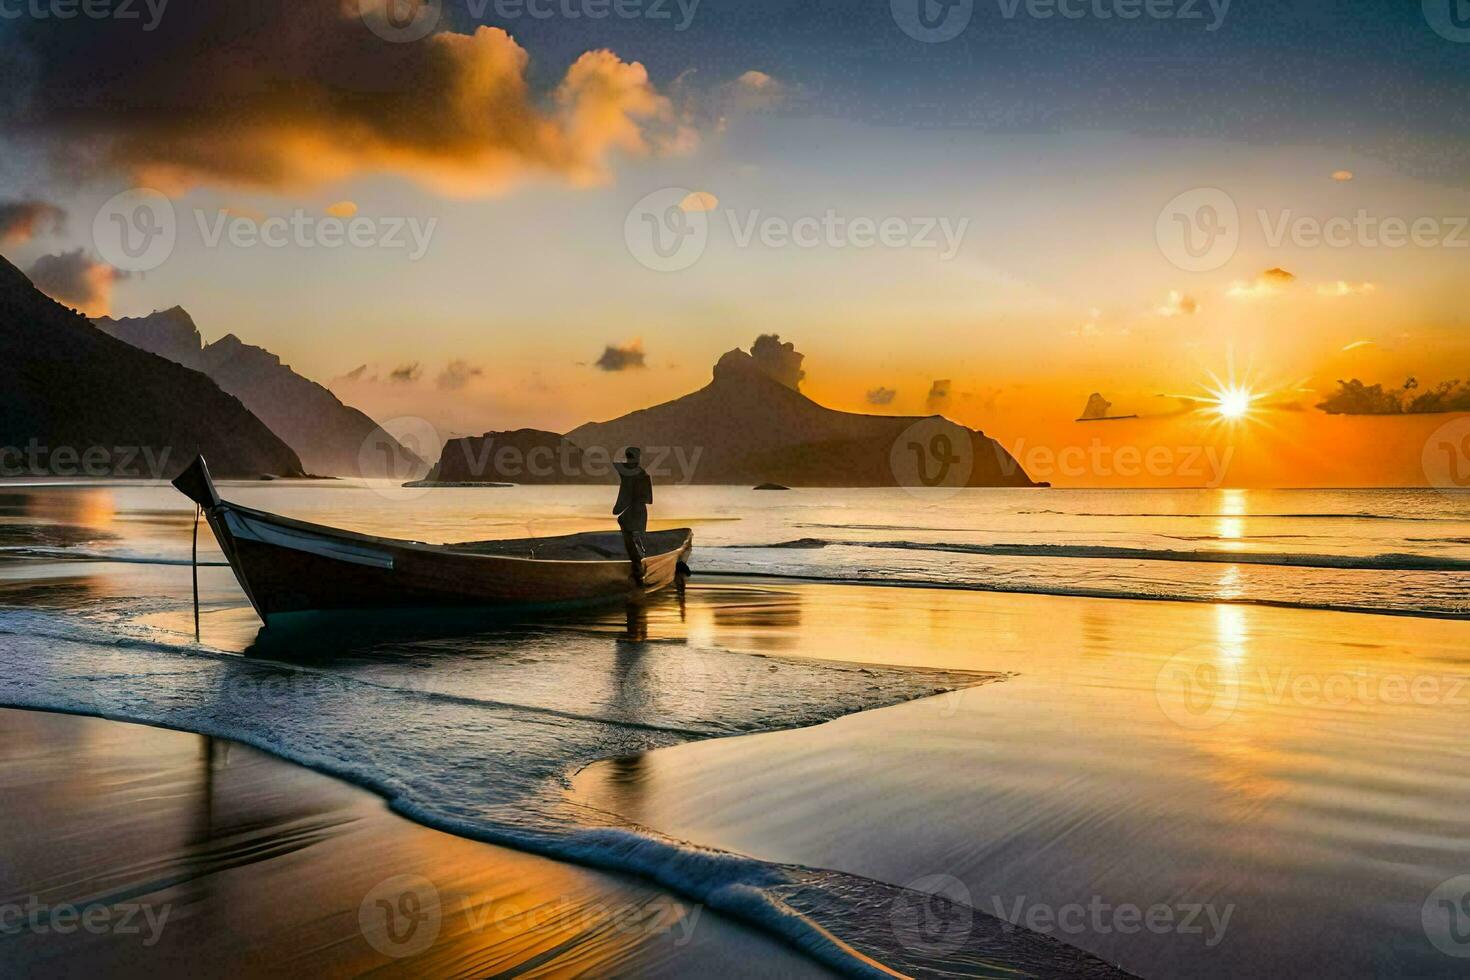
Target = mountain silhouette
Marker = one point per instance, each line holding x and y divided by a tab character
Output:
68	388
750	426
328	435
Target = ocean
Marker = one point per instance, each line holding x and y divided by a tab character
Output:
792	741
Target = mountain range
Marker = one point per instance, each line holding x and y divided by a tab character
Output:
330	437
75	401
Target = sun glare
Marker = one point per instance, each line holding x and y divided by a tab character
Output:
1233	402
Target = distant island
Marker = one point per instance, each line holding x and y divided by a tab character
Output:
751	425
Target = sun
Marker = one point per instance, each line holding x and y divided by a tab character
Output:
1232	403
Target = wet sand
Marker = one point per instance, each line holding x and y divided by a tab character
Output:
138	852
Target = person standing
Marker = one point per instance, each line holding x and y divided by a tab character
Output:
635	493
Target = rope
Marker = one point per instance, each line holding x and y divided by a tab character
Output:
194	561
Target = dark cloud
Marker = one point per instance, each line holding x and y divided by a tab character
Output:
625	358
456	375
285	93
75	279
881	396
20	221
1355	398
356	373
405	373
780	361
940	394
1278	275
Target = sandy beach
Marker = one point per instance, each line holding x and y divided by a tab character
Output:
138	852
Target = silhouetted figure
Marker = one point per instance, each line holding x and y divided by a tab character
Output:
635	493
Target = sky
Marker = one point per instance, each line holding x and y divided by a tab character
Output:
988	212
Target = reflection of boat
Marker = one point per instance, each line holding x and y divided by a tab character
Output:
288	566
1097	410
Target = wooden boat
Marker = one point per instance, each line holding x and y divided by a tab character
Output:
289	566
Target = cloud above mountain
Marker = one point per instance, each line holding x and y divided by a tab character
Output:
456	375
20	221
780	361
881	395
76	279
627	357
287	93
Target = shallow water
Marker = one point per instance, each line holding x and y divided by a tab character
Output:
1289	787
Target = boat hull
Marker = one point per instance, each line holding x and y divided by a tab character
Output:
287	566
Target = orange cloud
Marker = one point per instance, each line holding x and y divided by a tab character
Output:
1179	305
296	93
342	209
20	221
75	279
1268	283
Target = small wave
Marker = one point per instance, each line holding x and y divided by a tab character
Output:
1083	592
1356	516
1384	562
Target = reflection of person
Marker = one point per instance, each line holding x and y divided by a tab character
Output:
635	493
